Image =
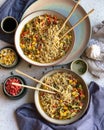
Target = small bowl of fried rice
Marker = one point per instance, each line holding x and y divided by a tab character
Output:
37	41
69	103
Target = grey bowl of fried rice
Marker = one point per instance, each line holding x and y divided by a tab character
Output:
67	106
36	38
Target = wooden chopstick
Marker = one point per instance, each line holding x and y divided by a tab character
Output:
82	19
38	81
70	14
30	87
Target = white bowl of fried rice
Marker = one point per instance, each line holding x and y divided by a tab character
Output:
36	38
66	106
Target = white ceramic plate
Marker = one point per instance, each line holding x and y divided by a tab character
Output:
82	31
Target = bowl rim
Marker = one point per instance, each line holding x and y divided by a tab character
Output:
57	121
20	27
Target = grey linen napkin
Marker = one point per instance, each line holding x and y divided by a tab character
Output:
13	8
96	67
29	119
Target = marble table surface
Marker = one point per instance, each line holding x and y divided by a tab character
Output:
7	106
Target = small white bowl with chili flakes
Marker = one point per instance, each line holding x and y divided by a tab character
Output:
14	91
8	57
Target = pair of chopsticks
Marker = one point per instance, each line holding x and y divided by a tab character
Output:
34	88
38	81
70	14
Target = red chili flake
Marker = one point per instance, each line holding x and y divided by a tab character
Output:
24	33
36	36
55	19
12	89
54	106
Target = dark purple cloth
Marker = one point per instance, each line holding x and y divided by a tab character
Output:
29	119
13	8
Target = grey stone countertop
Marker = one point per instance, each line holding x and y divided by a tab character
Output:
7	106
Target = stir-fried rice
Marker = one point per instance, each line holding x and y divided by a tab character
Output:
67	104
39	41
